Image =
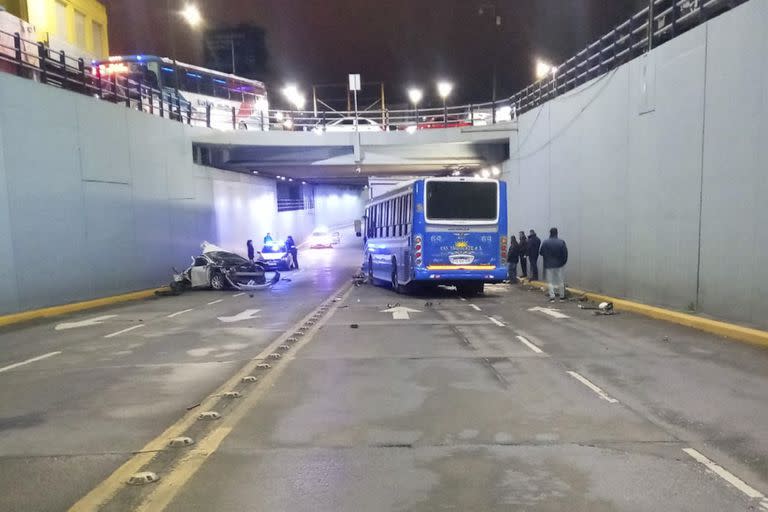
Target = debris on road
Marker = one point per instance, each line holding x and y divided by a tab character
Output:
354	326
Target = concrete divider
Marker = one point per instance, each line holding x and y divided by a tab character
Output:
728	330
37	314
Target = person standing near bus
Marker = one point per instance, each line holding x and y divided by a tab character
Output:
534	244
554	252
523	255
290	246
251	251
513	254
268	238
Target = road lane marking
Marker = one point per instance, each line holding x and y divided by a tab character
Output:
83	323
462	299
174	315
245	315
528	344
239	294
554	313
22	363
215	302
109	487
729	477
476	308
118	333
401	312
500	324
602	394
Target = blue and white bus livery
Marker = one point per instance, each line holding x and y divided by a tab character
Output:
439	231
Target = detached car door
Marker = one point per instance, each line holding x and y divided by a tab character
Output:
200	273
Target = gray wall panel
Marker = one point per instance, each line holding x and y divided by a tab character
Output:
9	297
104	153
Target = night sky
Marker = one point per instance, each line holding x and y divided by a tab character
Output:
399	42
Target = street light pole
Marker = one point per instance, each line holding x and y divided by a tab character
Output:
232	42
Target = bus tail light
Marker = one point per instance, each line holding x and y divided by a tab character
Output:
503	244
418	247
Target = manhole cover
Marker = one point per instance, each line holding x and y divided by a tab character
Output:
143	478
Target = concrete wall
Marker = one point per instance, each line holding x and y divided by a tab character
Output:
655	172
96	199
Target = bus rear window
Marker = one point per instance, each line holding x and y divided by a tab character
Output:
462	200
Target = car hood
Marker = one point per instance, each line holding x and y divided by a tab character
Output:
271	256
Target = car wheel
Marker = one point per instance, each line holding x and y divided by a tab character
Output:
218	282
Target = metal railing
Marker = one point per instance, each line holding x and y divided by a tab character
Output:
661	21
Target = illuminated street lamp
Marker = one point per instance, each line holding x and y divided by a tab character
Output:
415	95
192	15
294	96
444	89
544	69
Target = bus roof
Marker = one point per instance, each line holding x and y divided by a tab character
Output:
401	188
166	60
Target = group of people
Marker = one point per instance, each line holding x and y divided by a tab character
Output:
290	246
526	252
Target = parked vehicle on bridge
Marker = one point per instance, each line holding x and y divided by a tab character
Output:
438	231
218	269
452	121
347	124
184	84
275	256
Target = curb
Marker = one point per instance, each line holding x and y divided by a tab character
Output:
720	328
35	314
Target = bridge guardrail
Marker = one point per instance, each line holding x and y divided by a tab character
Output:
657	23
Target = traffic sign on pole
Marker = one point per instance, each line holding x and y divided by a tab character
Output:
354	82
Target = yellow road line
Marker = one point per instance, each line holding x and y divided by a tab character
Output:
108	488
64	309
170	485
728	330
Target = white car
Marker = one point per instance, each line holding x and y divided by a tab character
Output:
347	124
321	238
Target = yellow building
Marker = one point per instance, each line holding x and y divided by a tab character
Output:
79	23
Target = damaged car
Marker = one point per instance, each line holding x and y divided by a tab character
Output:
219	269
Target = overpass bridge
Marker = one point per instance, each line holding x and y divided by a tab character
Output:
351	157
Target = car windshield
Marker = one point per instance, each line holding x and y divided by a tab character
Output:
226	258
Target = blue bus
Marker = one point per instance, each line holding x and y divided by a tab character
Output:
439	231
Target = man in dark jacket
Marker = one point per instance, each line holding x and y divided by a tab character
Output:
290	245
251	251
554	252
534	244
523	254
512	256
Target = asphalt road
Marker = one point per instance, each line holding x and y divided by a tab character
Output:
466	405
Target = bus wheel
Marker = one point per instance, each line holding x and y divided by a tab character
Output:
370	271
395	283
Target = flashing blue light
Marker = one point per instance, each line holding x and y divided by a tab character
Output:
170	70
139	57
219	81
194	75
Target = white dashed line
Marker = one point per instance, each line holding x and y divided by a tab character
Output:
174	315
239	294
124	331
602	394
462	299
729	477
476	308
215	302
22	363
500	324
528	344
